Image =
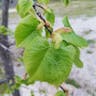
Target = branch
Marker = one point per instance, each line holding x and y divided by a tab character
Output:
46	25
4	47
65	91
40	6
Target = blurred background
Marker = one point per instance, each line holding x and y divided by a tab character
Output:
82	82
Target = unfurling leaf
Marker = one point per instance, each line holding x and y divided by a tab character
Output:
57	39
56	36
45	63
63	30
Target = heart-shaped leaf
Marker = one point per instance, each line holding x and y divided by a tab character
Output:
26	31
45	63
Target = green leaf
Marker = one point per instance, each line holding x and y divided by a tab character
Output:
26	31
24	6
44	1
66	2
72	37
60	93
49	14
45	63
66	22
77	60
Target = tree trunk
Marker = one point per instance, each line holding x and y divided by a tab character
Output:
5	55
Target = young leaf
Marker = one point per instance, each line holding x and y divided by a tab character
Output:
24	6
45	63
63	30
57	39
72	37
60	93
66	2
26	31
66	22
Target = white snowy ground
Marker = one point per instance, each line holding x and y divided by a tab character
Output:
86	76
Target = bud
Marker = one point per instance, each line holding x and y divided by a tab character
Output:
57	39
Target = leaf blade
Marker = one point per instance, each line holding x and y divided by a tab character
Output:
25	29
50	64
77	60
49	14
23	7
72	37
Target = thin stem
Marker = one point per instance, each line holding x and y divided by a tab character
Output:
38	13
40	6
65	91
46	25
62	89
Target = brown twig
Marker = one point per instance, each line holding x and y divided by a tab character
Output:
65	91
40	6
46	25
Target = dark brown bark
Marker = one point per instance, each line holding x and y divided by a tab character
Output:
5	55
